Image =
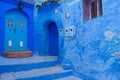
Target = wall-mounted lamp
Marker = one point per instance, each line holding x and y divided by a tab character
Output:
38	6
20	5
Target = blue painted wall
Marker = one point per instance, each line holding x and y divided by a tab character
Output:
92	50
7	5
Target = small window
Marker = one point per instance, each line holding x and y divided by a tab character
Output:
92	9
10	23
21	24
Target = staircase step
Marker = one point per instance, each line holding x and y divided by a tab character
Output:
50	73
72	77
24	64
17	54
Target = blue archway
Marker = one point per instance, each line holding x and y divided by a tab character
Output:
53	39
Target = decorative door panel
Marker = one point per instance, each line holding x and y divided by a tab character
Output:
21	33
9	34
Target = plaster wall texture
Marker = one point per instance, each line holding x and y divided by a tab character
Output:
93	49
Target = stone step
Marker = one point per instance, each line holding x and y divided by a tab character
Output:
17	54
50	73
24	64
71	77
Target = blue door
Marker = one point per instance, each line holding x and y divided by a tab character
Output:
15	31
53	39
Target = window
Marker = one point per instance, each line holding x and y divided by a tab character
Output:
10	22
91	9
21	24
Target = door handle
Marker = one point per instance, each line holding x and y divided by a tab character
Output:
14	30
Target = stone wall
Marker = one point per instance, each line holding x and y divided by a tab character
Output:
93	51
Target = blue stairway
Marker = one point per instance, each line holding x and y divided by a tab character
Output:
34	68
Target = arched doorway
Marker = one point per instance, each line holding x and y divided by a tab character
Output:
53	39
15	31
